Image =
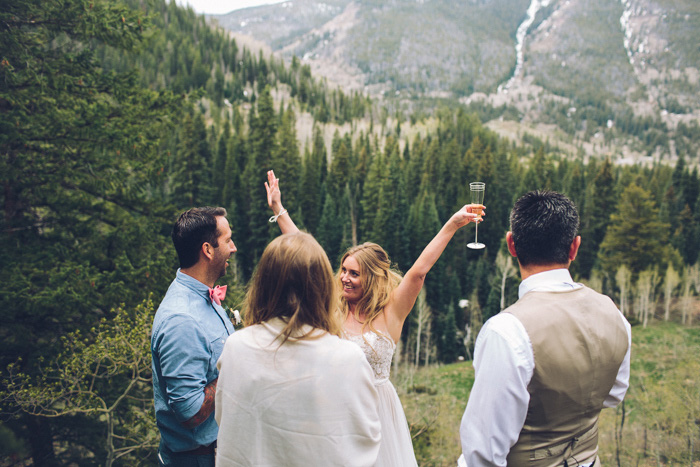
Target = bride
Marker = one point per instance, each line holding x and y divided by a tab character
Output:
375	302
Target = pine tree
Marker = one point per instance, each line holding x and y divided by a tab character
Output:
429	176
636	237
423	224
685	238
286	160
487	174
330	232
263	130
192	185
371	197
539	174
389	228
451	181
254	210
499	198
339	175
219	174
414	168
80	162
600	203
311	192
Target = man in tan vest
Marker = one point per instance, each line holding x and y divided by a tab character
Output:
547	365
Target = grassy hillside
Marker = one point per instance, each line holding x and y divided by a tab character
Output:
662	407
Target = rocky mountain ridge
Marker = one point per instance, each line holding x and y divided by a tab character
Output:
546	60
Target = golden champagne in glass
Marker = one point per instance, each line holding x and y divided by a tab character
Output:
476	191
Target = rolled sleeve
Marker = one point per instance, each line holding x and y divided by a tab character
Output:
184	351
622	381
498	402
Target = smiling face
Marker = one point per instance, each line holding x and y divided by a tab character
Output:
225	248
351	280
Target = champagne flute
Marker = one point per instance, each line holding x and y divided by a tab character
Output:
476	190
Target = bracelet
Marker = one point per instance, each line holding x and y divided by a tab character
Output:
274	218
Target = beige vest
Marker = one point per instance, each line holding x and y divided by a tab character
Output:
579	342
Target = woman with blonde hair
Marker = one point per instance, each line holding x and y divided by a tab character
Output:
277	398
375	302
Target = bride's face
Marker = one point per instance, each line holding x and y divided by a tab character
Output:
351	280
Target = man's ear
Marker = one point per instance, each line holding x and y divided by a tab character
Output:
207	250
511	244
573	251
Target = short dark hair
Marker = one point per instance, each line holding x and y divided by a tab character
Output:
543	225
192	229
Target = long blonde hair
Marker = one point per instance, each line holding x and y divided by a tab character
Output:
294	281
378	281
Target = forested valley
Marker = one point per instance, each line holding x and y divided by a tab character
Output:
115	117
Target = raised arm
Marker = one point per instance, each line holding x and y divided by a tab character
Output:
405	295
274	200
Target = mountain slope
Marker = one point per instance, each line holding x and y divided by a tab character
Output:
628	70
425	46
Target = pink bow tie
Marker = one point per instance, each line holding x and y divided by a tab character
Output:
217	294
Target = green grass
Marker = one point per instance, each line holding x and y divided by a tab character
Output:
434	399
661	410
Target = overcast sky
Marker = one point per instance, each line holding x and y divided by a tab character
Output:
216	7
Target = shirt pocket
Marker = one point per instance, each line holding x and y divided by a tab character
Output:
217	347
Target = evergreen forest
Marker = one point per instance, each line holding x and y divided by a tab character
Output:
115	116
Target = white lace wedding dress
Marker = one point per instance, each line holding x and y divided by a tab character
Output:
396	448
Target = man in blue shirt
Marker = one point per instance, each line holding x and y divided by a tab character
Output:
188	335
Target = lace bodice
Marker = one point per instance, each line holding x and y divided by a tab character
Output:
379	350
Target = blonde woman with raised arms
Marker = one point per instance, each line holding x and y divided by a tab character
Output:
375	302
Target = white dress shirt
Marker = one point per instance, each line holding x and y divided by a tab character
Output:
504	364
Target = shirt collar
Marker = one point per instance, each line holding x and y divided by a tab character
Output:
554	280
276	325
193	284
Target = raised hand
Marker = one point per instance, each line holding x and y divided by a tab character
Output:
468	213
274	200
274	195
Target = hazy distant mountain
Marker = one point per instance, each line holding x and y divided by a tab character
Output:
628	57
423	46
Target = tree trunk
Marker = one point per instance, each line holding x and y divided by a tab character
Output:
110	440
428	333
420	326
41	441
353	215
618	434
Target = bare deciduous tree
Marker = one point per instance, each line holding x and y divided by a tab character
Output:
475	321
671	281
424	317
506	269
686	293
595	282
693	273
623	277
646	284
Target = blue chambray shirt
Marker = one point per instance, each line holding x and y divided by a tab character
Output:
187	339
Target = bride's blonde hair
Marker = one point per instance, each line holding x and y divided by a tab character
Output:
378	281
